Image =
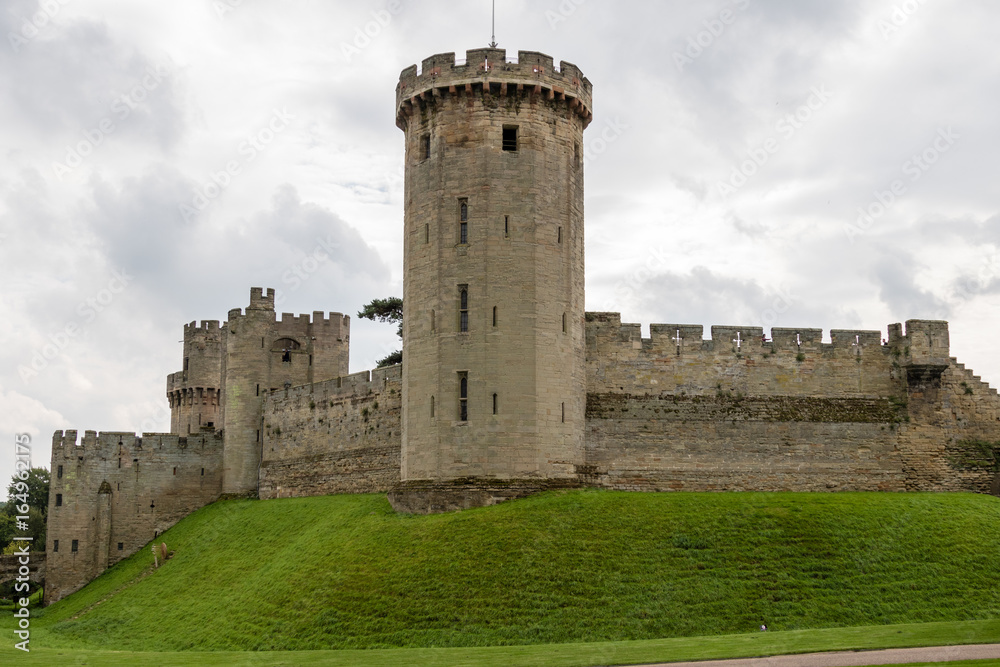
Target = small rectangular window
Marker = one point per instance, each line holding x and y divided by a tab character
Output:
564	322
506	226
494	315
463	232
427	233
55	546
564	413
426	145
59	473
576	154
432	407
58	500
75	546
510	138
463	397
121	546
175	470
433	321
202	472
494	403
559	235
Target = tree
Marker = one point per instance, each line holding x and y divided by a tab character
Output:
38	489
33	492
389	309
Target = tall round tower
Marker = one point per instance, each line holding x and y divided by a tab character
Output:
493	334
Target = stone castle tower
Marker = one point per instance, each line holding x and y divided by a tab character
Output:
228	371
493	335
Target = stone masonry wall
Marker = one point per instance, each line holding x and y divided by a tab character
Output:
115	492
790	413
339	436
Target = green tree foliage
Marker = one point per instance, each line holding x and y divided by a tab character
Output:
389	309
33	492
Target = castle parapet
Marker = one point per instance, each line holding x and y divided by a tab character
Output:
488	71
924	350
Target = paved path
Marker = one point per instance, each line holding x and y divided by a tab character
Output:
895	656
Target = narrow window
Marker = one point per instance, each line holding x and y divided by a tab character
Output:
55	545
119	462
494	315
286	356
59	473
576	154
463	397
58	500
506	226
494	403
118	485
258	435
559	235
463	308
175	470
262	342
202	472
186	363
510	138
564	413
432	407
310	360
433	322
426	141
564	322
258	390
427	233
463	221
75	546
121	546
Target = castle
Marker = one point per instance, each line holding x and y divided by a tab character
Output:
508	386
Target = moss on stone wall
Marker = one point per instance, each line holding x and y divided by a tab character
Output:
726	406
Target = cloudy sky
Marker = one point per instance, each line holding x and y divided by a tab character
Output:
821	163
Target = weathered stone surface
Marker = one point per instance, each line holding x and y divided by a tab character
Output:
521	261
114	492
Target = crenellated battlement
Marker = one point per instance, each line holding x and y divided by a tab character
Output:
489	71
727	338
207	327
353	385
676	358
108	444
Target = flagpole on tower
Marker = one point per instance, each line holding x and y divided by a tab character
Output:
493	35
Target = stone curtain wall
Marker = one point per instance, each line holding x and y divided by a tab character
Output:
119	488
791	413
339	436
952	423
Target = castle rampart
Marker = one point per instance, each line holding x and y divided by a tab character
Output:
743	412
338	436
115	491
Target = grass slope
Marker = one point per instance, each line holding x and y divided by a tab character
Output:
347	572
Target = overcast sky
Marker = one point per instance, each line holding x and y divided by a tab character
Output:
734	147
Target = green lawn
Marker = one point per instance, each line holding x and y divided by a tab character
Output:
345	572
552	655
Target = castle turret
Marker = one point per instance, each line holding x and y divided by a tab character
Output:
193	392
493	337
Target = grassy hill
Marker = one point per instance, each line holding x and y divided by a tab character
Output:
347	572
